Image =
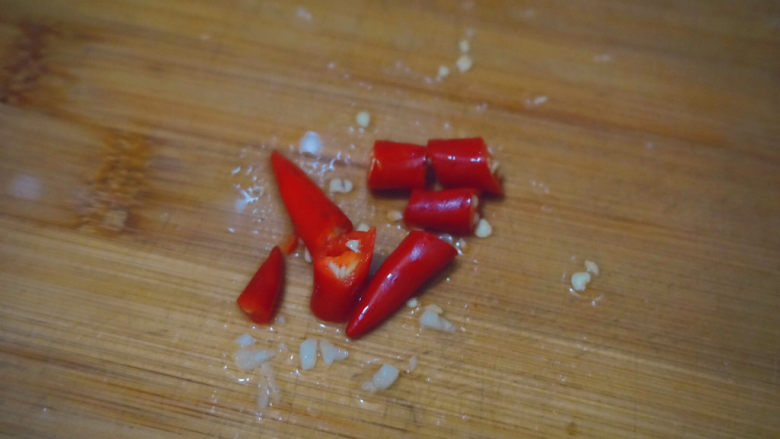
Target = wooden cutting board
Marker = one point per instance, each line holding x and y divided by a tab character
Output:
136	201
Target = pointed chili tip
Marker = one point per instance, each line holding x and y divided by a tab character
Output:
276	157
353	331
276	255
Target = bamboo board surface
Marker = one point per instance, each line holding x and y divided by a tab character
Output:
136	200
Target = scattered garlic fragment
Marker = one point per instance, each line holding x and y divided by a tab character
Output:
464	63
412	364
339	185
362	227
308	353
268	372
363	119
483	229
464	46
580	280
263	396
412	303
382	379
443	72
245	340
591	267
267	392
429	319
249	359
394	215
435	308
311	143
331	353
306	255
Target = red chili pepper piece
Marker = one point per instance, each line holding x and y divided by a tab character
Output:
464	163
260	298
416	260
316	218
449	210
397	166
339	274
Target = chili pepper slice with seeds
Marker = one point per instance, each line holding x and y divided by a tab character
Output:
464	163
448	210
397	166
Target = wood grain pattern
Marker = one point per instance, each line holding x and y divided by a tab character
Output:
641	135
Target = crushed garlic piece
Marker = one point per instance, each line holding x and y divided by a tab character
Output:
464	63
363	119
580	280
484	229
338	185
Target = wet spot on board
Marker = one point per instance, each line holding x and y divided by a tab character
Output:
571	429
117	190
25	187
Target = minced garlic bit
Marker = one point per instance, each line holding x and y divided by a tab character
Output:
591	267
248	359
430	319
464	63
580	280
306	255
268	392
483	229
461	245
464	46
263	396
435	308
311	143
412	303
245	340
331	353
362	227
444	71
308	353
394	216
382	379
338	185
412	364
354	245
363	119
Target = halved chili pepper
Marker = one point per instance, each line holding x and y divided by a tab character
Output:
340	272
448	210
315	217
397	166
260	298
464	163
416	260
